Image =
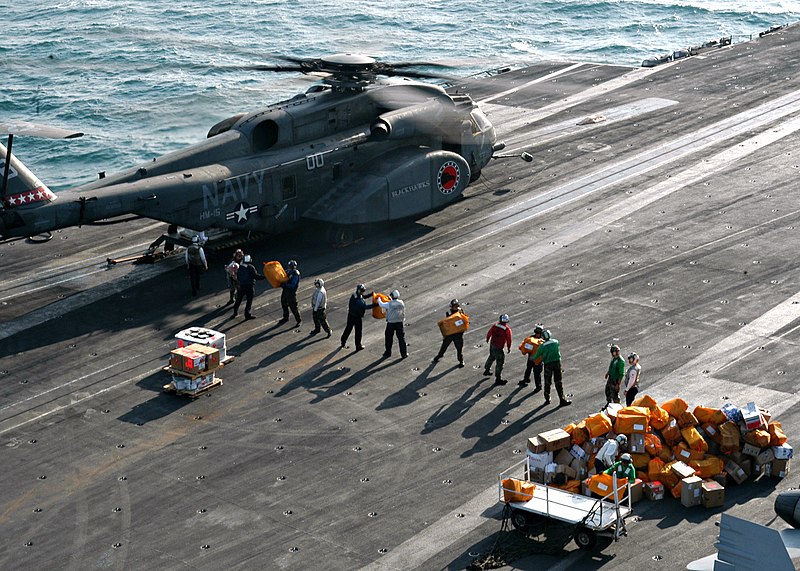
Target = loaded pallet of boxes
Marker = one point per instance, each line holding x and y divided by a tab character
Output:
193	364
688	454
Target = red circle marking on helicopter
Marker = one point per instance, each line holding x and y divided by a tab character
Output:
448	177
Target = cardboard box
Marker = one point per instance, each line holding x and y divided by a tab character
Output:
570	472
538	460
735	471
765	456
691	491
654	490
782	452
555	439
713	494
211	353
682	470
750	449
636	443
577	452
779	468
563	457
536	445
536	476
585	488
187	360
747	465
203	336
752	416
637	491
721	478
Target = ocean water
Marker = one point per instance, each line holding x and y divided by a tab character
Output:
142	77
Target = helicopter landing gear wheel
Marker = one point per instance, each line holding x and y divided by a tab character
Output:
340	236
586	539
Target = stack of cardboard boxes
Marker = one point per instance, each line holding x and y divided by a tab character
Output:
691	455
193	367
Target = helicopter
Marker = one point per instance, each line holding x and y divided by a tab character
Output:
368	144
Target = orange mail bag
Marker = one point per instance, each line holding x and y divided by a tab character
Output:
517	490
675	407
659	417
452	324
598	425
377	312
646	401
693	439
708	467
776	435
602	485
632	419
706	415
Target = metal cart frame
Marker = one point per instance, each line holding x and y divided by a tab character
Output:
592	517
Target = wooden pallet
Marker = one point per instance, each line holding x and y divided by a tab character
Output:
177	372
170	388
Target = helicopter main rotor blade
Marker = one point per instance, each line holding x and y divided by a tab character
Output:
37	130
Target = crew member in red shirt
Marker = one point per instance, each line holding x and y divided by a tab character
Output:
498	336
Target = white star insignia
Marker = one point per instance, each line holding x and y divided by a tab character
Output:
40	195
241	213
12	200
31	196
21	198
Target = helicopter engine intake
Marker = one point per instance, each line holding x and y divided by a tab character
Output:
424	118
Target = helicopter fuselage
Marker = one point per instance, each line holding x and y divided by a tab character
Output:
378	154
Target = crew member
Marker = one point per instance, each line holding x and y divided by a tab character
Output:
247	276
231	271
498	336
289	293
319	306
534	365
607	454
624	468
632	378
616	370
456	339
551	358
395	316
355	314
196	263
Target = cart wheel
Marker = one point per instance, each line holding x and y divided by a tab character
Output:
586	539
519	520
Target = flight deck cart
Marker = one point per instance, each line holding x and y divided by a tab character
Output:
590	518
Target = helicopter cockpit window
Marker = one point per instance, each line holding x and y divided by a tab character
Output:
265	134
479	120
289	188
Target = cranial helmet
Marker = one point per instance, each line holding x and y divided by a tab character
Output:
625	457
538	329
247	259
361	288
195	239
615	348
292	264
622	440
454	302
319	282
633	356
395	294
504	318
546	335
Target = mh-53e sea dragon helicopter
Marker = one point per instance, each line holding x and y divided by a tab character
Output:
353	149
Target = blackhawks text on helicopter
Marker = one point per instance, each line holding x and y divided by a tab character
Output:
353	149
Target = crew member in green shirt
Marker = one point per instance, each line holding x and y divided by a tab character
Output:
551	358
616	370
624	468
